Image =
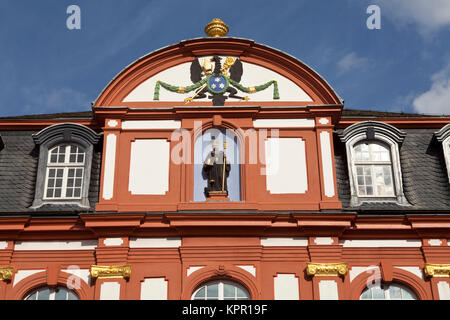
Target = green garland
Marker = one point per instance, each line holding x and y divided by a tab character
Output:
159	84
276	94
171	88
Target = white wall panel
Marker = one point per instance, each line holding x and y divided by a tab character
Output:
110	291
328	290
149	167
284	123
154	289
286	287
327	164
151	124
155	242
55	245
284	242
286	166
110	164
444	290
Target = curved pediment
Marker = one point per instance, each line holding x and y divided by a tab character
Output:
252	74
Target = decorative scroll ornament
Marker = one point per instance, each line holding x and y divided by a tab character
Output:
437	270
106	272
327	269
6	274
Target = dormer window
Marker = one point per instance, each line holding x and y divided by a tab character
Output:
374	162
65	170
373	166
443	136
65	159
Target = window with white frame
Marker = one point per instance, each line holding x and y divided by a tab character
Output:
388	292
373	168
443	136
65	168
46	293
221	290
66	153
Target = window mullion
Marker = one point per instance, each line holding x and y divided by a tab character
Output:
64	183
220	290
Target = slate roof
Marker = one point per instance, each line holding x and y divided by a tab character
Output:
424	174
18	170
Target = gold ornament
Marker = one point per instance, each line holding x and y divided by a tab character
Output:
437	270
216	28
6	273
107	272
326	269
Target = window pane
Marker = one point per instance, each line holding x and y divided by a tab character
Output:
72	296
395	292
359	170
241	293
51	183
377	293
407	295
200	294
32	297
213	291
228	290
49	193
362	191
57	193
366	295
44	294
60	294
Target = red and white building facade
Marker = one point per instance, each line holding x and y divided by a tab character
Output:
286	230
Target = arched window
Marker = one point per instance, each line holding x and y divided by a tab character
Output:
221	290
66	153
373	157
59	293
65	170
443	136
393	291
373	167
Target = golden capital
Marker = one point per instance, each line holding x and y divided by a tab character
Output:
6	273
437	270
108	272
216	28
326	269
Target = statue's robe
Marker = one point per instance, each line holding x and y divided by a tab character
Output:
213	168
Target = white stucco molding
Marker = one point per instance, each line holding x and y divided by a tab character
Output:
386	134
443	136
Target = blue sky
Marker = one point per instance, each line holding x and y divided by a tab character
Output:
404	66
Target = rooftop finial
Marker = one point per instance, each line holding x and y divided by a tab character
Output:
216	28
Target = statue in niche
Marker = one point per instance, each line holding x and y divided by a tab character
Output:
216	168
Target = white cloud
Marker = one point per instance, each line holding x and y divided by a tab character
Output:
437	99
351	61
427	15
